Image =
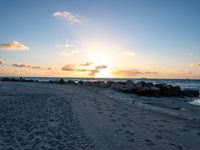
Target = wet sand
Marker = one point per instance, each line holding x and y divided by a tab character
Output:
36	116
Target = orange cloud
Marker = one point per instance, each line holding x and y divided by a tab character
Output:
131	73
13	46
2	61
195	65
91	72
69	67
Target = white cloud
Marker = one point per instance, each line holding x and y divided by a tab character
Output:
68	16
65	46
14	46
129	53
70	52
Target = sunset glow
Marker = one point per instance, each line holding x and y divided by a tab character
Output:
77	32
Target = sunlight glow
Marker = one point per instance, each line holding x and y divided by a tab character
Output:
104	74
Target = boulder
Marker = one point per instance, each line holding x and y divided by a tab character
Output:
148	91
191	93
176	91
71	82
118	86
165	90
61	81
129	87
5	79
102	84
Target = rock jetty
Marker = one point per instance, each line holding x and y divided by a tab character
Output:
140	88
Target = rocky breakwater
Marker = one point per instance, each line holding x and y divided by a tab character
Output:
154	90
144	89
141	88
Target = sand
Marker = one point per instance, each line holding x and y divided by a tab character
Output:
36	116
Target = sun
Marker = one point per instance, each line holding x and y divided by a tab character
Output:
104	74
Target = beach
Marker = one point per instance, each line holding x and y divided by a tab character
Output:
36	116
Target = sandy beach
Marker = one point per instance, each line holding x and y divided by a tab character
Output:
45	116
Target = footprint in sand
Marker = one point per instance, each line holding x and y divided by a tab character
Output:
129	136
149	142
118	130
158	137
177	146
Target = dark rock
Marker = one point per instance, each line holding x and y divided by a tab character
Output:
129	87
71	82
191	93
118	86
5	79
21	79
176	91
148	91
102	84
165	90
61	81
80	82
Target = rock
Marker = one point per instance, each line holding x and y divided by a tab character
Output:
176	91
165	90
61	81
128	87
118	86
21	79
5	79
80	82
110	83
71	82
148	91
102	84
191	93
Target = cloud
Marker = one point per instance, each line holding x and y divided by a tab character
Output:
13	46
65	46
131	73
97	69
84	70
2	61
195	65
26	66
129	53
101	67
70	52
69	17
91	72
86	64
69	67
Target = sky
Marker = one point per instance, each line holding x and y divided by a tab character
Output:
100	38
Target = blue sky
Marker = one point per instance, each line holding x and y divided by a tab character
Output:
162	34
